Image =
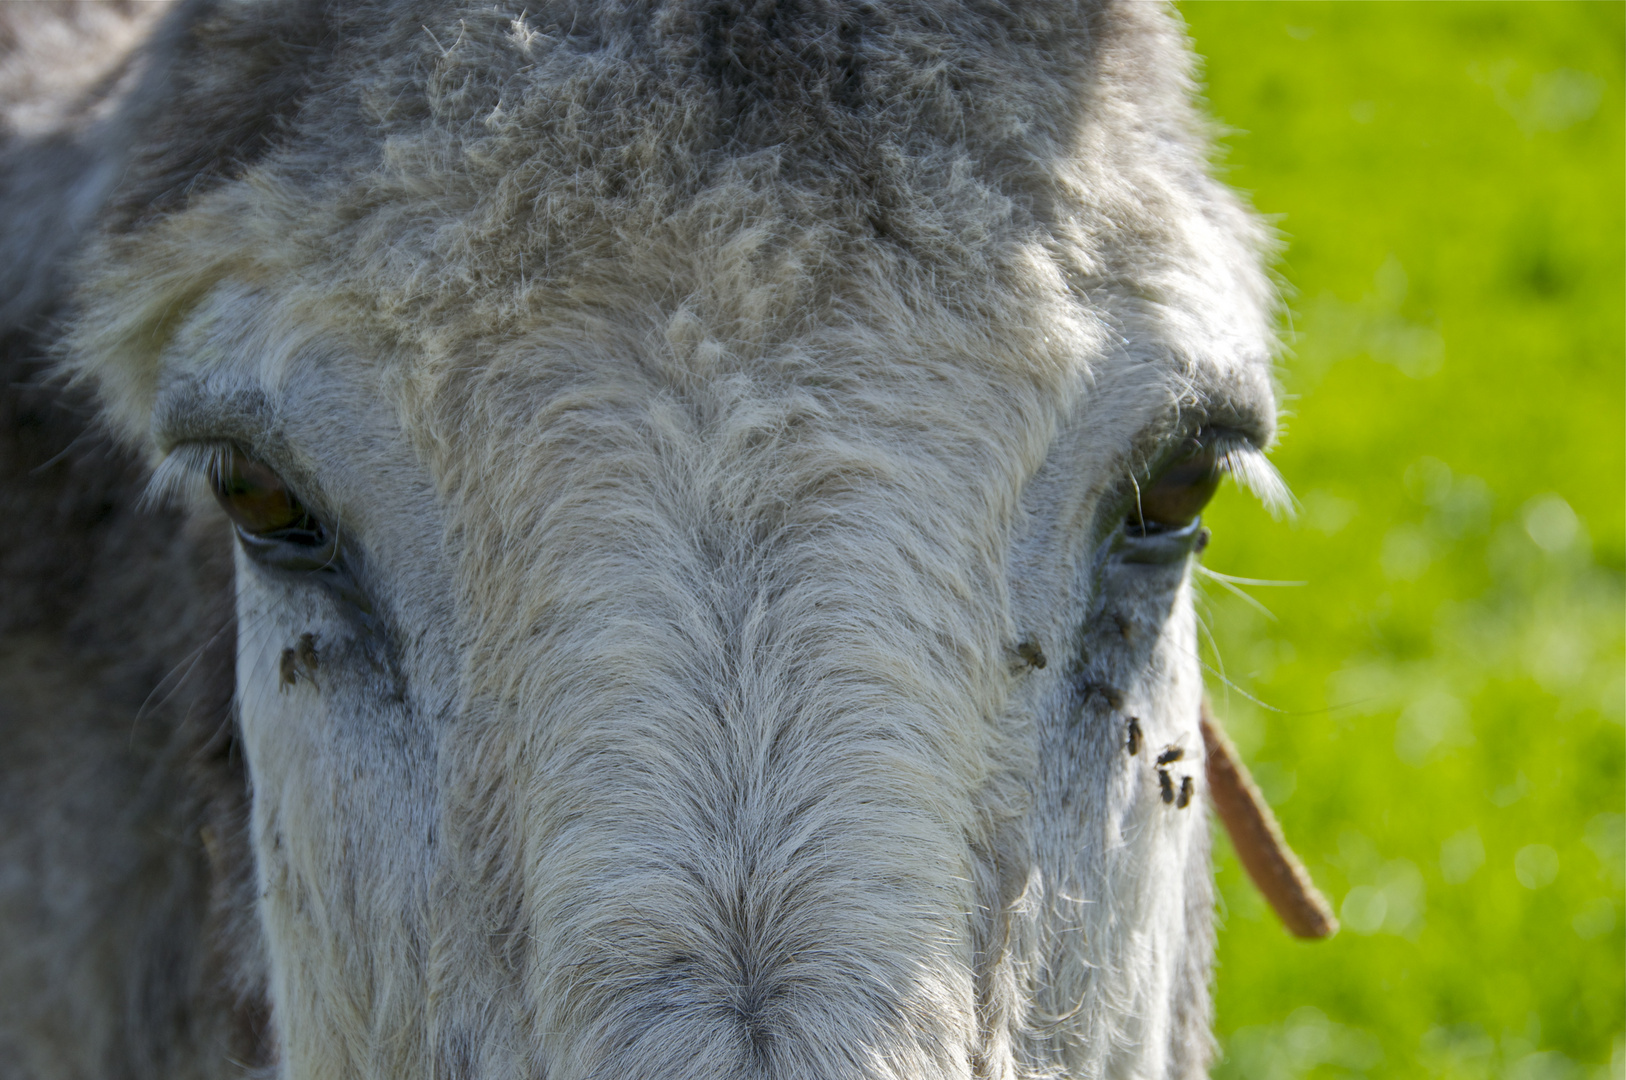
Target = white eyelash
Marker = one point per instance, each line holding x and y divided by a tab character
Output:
183	471
1253	471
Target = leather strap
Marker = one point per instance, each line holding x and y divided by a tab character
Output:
1258	839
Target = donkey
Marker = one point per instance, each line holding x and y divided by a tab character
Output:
613	540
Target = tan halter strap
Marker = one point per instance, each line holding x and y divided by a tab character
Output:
1258	839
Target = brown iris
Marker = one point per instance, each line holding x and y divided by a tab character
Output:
260	503
1177	495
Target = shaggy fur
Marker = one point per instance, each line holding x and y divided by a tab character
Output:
725	406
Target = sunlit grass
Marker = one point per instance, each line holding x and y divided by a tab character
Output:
1443	699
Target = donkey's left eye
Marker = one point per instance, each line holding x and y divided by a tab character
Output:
255	497
1178	494
272	523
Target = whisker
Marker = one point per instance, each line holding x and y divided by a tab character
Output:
1245	598
1217	669
1260	582
1229	685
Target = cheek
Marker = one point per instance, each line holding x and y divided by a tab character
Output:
281	706
341	810
1141	681
1179	680
328	724
1126	927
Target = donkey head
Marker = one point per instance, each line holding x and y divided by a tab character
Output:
714	486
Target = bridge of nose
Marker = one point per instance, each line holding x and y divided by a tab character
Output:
744	765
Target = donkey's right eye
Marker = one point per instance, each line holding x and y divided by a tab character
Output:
272	523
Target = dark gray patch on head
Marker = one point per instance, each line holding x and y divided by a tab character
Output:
220	87
786	50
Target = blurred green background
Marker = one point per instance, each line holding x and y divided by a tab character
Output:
1436	711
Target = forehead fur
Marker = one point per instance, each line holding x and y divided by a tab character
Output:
707	171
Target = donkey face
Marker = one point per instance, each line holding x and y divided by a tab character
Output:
714	488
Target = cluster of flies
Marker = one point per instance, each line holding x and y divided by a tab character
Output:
1181	796
299	661
1030	654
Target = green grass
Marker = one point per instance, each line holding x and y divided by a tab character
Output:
1440	705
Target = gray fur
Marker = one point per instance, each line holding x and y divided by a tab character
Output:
724	403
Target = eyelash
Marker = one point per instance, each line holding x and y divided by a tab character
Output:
1252	470
188	470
